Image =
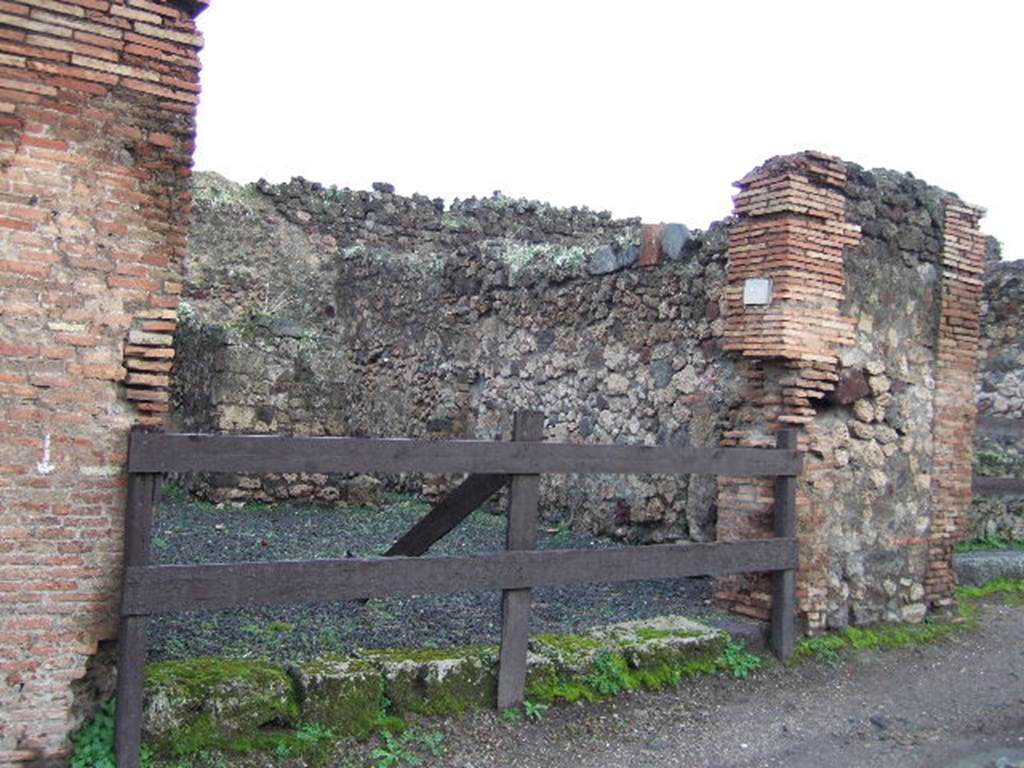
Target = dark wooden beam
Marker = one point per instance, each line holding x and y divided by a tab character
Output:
521	535
783	616
447	514
170	588
170	452
143	491
998	486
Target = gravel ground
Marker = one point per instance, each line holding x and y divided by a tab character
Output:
188	532
955	704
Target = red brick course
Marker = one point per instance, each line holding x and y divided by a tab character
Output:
94	201
963	267
791	228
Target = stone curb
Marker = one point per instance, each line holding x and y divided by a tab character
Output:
976	568
344	694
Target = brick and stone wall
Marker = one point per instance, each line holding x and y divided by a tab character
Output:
324	311
328	311
872	391
409	318
96	131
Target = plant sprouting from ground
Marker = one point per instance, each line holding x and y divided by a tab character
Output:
738	661
94	743
393	750
608	676
534	710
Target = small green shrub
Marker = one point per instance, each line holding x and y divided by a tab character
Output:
824	649
608	676
94	743
311	734
534	710
738	661
393	751
432	742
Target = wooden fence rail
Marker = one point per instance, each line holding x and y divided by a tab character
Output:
153	589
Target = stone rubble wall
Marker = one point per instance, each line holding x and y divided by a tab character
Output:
1000	394
97	102
332	312
1001	375
325	311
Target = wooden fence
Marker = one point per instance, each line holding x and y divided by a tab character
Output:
153	589
1000	486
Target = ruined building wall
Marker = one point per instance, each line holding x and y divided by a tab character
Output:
378	314
1001	373
866	356
323	311
1000	394
866	349
96	130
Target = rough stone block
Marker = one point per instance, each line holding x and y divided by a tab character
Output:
342	694
674	238
438	682
197	703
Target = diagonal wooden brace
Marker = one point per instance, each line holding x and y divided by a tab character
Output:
447	514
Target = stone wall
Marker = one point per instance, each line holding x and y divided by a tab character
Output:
96	131
324	311
1001	376
330	311
1000	394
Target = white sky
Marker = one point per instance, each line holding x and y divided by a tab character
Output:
643	108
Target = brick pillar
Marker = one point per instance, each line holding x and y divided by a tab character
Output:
97	103
963	267
792	229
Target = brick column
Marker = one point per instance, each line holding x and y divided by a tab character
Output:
792	229
97	104
963	267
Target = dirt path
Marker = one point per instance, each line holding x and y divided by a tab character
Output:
956	704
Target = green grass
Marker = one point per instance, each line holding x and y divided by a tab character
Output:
988	542
885	637
1011	590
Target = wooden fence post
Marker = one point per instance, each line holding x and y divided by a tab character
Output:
515	603
784	582
143	490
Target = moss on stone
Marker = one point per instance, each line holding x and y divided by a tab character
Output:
341	694
622	658
198	703
546	684
575	652
428	681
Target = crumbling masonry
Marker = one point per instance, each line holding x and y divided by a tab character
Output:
402	316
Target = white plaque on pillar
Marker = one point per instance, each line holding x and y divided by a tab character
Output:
757	291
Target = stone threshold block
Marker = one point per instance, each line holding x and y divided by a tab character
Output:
215	703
